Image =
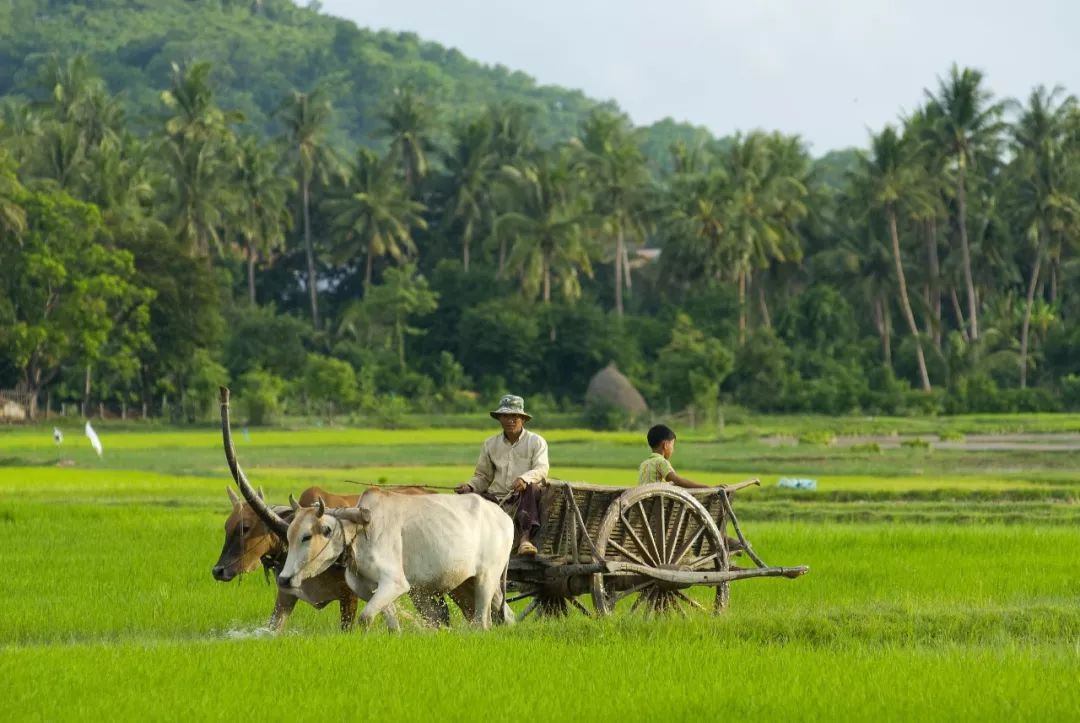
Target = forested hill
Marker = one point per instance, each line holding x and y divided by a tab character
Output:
263	49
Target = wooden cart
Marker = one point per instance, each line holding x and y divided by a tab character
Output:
634	548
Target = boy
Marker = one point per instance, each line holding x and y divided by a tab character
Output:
657	467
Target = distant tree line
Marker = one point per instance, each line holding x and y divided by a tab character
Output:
145	259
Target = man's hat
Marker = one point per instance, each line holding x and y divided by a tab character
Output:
510	404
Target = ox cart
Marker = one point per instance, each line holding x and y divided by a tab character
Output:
636	549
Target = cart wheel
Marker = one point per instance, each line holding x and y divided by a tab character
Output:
657	526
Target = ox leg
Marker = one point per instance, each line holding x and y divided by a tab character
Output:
486	589
432	607
283	607
464	596
365	590
387	591
348	611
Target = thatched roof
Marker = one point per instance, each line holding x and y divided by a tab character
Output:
610	387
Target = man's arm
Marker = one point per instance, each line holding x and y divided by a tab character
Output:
540	467
482	475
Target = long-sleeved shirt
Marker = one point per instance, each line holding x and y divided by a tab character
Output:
501	463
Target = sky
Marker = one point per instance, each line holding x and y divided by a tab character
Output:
828	70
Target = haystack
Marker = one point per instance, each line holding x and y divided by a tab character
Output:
609	387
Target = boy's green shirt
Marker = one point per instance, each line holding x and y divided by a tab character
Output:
654	469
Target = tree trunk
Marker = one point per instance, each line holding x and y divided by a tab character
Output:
905	302
312	291
965	250
618	271
251	273
466	237
547	280
368	264
502	256
742	307
934	262
960	323
764	304
1026	327
86	390
881	321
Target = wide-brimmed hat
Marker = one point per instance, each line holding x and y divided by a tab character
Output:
510	404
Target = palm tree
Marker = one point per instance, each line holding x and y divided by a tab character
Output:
198	150
262	210
409	124
374	215
307	118
620	180
547	225
470	169
1044	186
891	179
12	215
766	191
969	128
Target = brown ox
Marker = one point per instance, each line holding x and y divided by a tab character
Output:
250	542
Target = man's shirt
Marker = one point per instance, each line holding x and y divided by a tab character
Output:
501	463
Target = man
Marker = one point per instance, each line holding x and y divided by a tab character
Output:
510	470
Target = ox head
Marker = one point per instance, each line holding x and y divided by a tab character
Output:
247	540
318	538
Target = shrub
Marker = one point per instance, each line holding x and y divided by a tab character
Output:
916	443
606	417
820	437
260	396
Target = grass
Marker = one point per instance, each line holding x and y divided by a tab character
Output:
935	595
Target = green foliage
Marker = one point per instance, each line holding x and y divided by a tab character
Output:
260	396
329	383
66	298
691	368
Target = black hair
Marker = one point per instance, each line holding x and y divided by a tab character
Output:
658	435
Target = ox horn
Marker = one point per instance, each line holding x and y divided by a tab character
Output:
320	507
271	518
232	496
293	503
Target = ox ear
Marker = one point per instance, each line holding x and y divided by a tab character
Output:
320	507
232	497
356	515
293	503
261	495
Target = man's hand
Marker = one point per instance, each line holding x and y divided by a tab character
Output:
464	489
520	485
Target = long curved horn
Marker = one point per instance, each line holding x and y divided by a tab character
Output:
271	518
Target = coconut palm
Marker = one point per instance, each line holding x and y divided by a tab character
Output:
892	181
548	225
969	128
409	124
620	182
307	118
1044	186
262	213
374	216
470	169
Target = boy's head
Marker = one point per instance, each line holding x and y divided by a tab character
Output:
661	439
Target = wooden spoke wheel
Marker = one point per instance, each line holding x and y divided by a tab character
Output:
661	527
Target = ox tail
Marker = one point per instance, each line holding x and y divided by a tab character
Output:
504	608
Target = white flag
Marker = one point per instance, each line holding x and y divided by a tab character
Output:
57	436
94	441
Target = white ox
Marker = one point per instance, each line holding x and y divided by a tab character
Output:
395	543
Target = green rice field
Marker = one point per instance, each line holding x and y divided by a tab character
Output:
943	586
